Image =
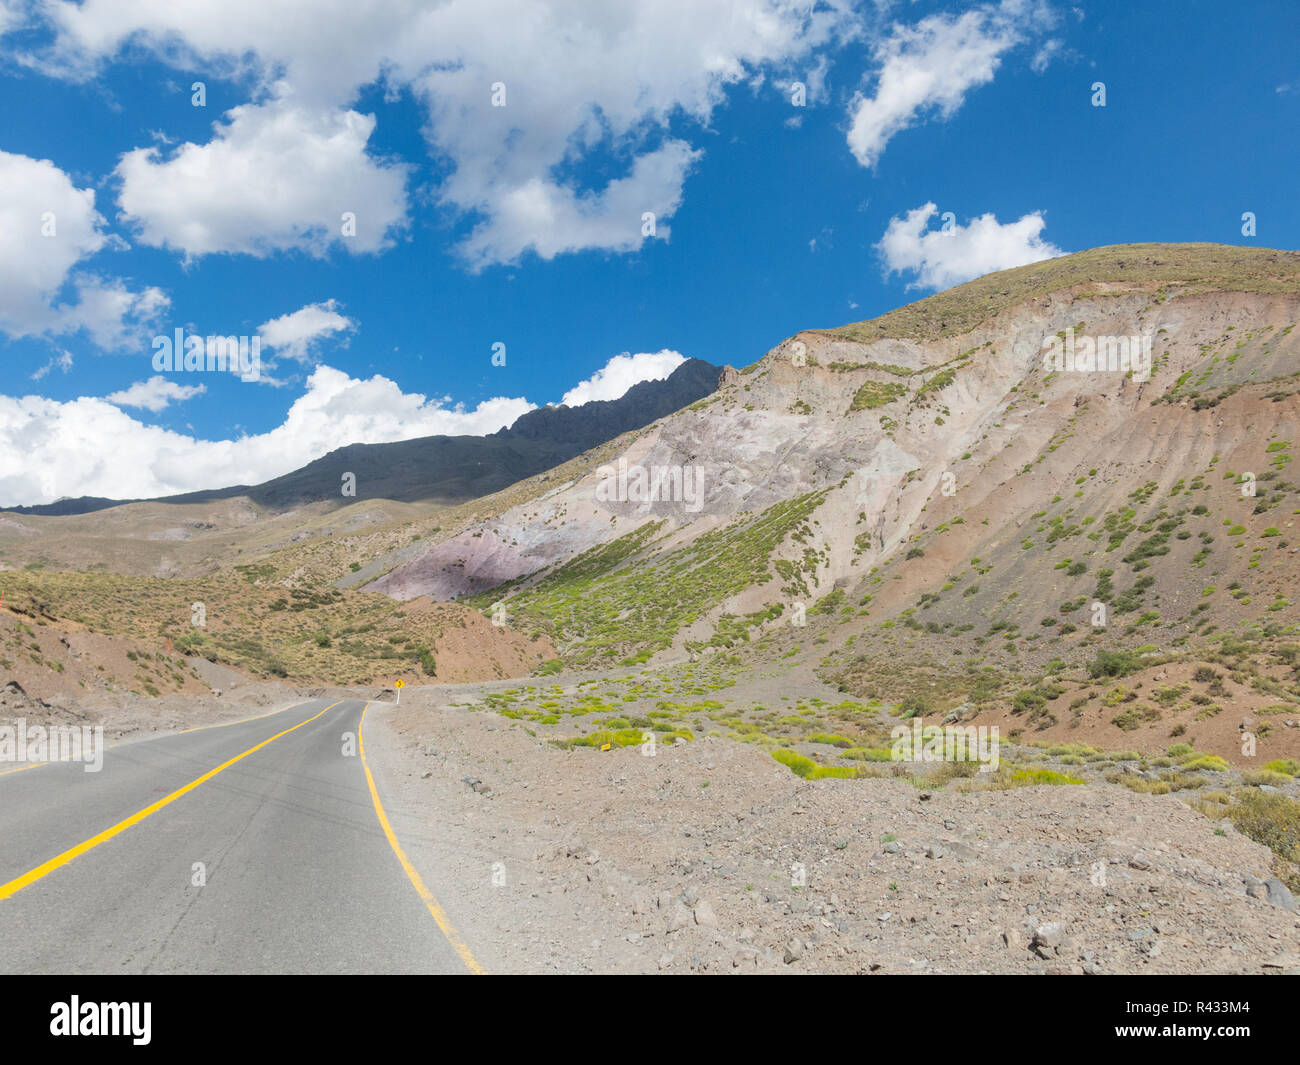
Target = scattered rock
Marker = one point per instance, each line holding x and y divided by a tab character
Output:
1048	938
1283	961
1279	894
704	915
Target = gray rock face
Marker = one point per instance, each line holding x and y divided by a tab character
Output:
1271	890
1279	894
1050	934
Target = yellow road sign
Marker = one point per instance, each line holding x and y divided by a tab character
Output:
399	684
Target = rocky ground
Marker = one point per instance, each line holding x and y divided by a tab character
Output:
711	857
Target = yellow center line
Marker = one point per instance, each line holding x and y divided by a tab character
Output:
29	765
183	732
439	915
44	870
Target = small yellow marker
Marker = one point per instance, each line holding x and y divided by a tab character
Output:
399	685
604	746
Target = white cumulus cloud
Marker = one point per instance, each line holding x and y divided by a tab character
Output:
294	334
90	446
274	177
581	80
942	258
48	227
155	394
622	372
931	66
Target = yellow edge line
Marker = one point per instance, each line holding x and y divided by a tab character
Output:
44	870
183	732
439	915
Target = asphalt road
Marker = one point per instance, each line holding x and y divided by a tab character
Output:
301	871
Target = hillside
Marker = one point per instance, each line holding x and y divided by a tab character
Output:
943	511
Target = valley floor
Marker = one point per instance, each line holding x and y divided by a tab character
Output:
709	856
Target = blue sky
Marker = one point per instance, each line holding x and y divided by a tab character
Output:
522	224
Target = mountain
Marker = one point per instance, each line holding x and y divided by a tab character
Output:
450	469
928	506
863	422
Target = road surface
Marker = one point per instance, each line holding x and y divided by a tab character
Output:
300	870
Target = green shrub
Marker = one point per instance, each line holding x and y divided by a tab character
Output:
842	772
1113	664
1270	819
628	737
870	754
1135	718
797	763
1209	762
1021	778
830	738
914	706
1027	700
876	394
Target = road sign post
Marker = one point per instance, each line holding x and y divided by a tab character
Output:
399	685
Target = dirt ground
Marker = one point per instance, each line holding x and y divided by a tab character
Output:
711	857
